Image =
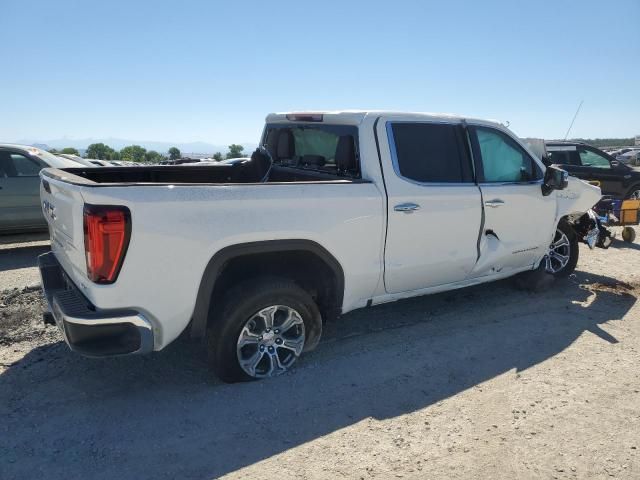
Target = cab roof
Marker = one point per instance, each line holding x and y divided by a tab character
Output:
356	117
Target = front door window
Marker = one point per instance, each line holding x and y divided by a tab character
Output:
589	158
503	160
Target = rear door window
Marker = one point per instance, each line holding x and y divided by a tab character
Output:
429	152
501	159
25	166
17	165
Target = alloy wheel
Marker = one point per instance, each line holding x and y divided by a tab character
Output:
559	253
270	341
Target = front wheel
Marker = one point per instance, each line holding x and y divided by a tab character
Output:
562	257
634	193
260	330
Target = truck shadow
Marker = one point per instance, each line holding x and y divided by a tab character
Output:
22	257
162	415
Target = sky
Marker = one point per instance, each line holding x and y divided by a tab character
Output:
196	70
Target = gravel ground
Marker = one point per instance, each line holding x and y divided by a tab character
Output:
486	382
18	266
18	257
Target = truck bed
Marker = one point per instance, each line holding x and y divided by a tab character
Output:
188	174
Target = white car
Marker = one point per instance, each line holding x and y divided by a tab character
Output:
338	211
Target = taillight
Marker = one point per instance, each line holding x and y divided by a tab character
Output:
107	230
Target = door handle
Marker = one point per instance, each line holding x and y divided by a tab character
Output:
407	207
496	202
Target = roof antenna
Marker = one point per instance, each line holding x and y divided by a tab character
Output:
574	119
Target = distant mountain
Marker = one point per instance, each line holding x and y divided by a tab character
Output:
119	143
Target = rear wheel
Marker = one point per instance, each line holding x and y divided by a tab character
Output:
562	257
261	329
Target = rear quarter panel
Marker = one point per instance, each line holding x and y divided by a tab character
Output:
177	229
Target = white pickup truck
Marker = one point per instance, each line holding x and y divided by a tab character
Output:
337	211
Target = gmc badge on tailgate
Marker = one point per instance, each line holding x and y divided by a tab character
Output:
49	210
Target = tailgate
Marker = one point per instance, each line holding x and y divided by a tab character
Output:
62	206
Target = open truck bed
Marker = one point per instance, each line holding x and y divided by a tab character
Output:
188	174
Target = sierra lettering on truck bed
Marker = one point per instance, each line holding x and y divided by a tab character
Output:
335	211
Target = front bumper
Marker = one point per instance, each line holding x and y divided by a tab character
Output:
87	329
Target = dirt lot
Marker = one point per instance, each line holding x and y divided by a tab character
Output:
18	255
487	382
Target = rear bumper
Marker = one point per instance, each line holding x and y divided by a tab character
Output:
87	329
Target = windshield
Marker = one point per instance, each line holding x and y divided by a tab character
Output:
326	148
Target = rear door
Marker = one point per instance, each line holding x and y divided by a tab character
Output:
19	191
518	220
434	207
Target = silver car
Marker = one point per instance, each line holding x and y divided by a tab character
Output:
630	157
20	166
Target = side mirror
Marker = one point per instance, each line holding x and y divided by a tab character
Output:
615	163
554	179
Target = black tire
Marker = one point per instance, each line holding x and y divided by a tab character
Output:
574	251
628	234
633	193
239	305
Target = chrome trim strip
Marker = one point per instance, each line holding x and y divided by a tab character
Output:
497	184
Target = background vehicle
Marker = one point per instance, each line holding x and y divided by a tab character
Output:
338	211
74	158
20	165
630	157
205	162
618	151
180	161
233	161
92	162
87	162
591	164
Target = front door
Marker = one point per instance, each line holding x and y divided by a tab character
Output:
434	207
595	166
518	220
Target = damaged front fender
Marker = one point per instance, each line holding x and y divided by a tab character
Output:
576	199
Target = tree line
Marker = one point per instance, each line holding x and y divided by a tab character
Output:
136	153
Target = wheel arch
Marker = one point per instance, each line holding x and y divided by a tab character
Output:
223	268
634	186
